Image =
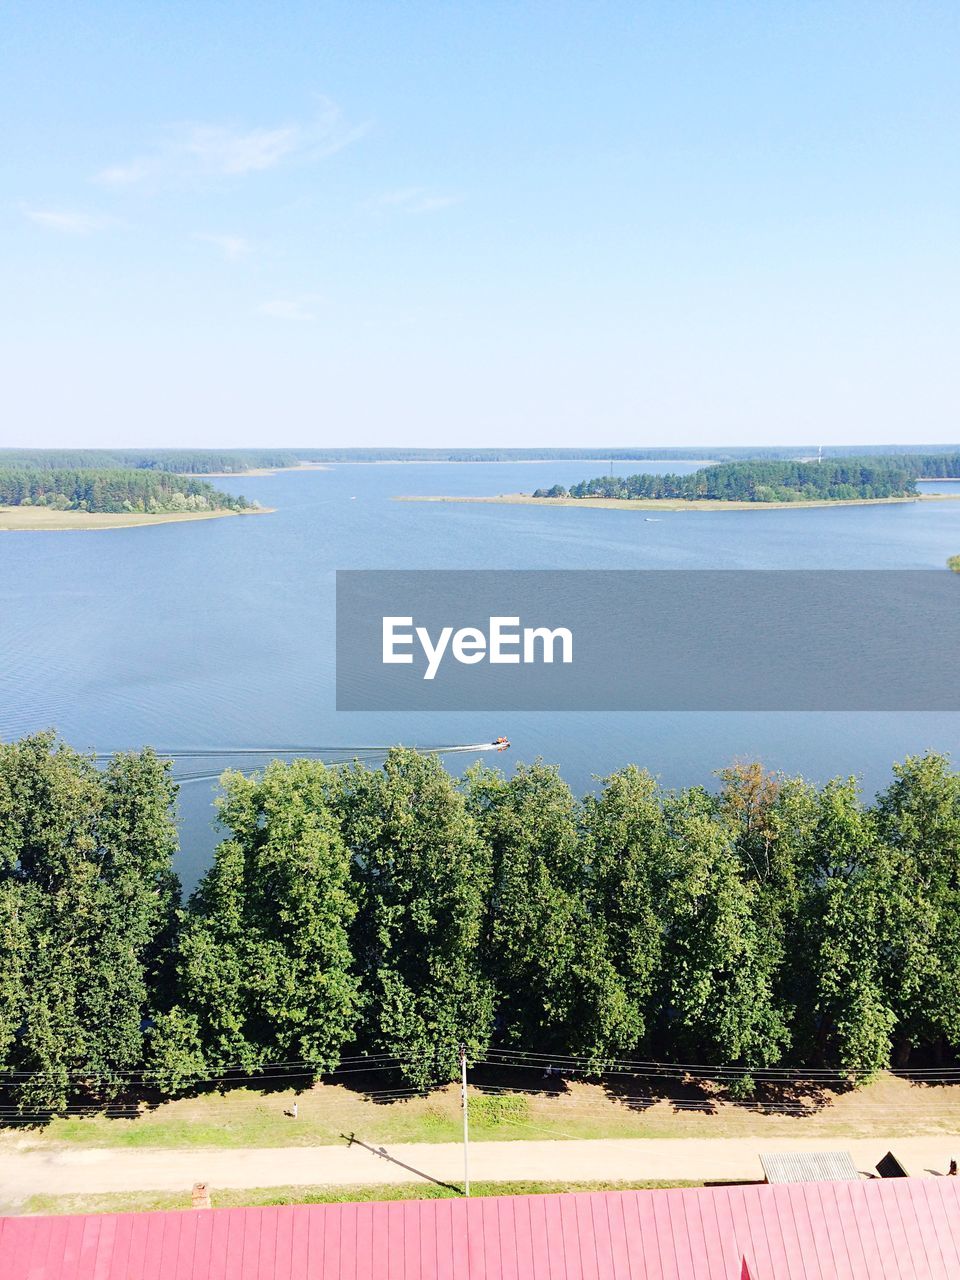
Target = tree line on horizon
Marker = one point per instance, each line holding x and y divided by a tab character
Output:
773	480
151	492
175	461
400	911
238	460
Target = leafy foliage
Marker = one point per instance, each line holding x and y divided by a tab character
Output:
103	490
395	911
264	962
772	480
422	876
86	904
545	953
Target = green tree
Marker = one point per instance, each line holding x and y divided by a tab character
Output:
850	1009
86	899
772	821
627	852
14	961
557	987
918	819
421	873
719	1002
113	490
265	967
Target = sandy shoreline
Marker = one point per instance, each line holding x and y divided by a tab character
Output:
676	504
48	520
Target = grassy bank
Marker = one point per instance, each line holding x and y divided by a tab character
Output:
15	519
328	1114
146	1201
675	504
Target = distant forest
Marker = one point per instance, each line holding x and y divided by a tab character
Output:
178	461
152	492
204	461
400	912
770	480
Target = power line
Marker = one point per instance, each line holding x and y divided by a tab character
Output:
224	1075
583	1064
504	1059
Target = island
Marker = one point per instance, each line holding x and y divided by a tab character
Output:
752	484
109	499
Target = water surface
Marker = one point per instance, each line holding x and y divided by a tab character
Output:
220	633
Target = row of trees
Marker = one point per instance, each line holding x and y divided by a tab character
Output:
768	480
398	911
180	461
205	461
109	490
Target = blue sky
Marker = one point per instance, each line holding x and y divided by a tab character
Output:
465	223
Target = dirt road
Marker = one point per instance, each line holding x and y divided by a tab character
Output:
98	1170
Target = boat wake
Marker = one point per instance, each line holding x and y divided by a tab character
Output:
196	764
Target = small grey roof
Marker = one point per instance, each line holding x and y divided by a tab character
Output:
809	1166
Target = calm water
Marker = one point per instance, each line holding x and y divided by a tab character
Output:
220	633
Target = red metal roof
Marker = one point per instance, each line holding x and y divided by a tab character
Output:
904	1229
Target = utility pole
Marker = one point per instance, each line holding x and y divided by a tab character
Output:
466	1120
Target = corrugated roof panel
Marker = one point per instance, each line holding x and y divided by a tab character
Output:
205	1249
719	1247
736	1220
646	1242
602	1229
675	1247
843	1219
918	1248
625	1226
809	1166
899	1229
525	1251
857	1245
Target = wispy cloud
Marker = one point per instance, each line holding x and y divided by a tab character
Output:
69	222
290	308
204	151
232	247
415	200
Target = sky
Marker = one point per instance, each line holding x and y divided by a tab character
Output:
463	224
